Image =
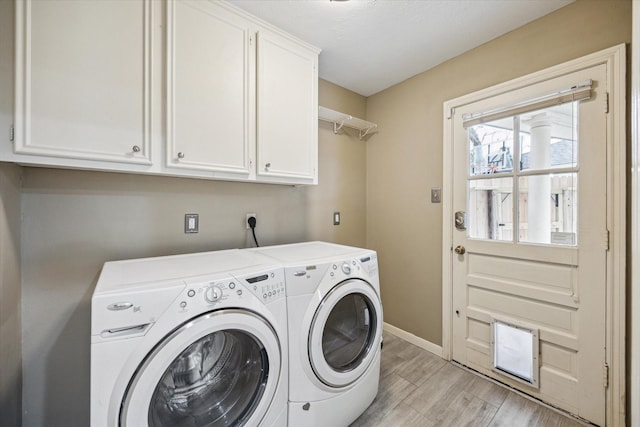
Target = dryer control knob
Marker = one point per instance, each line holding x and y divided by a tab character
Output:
346	268
213	293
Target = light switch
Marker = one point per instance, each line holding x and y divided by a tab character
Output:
191	223
336	218
436	195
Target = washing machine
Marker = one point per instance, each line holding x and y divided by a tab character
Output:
190	340
335	331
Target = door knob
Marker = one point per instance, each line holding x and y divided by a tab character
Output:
460	250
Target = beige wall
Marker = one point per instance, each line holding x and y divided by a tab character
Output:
404	160
10	293
74	221
10	296
342	163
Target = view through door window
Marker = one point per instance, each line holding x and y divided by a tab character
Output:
534	157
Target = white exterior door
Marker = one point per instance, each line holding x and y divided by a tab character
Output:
530	240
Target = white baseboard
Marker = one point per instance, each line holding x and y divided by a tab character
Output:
420	342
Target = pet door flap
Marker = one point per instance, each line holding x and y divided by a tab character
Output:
515	351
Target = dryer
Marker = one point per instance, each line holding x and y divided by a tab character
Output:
334	328
194	340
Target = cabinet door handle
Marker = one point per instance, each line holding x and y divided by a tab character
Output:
181	155
136	149
267	165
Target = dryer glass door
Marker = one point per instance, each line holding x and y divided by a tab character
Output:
220	369
348	332
345	333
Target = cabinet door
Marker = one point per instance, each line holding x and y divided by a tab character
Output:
209	92
82	79
287	108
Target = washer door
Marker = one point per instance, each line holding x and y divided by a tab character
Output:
219	369
345	333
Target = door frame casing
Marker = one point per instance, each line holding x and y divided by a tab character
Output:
615	60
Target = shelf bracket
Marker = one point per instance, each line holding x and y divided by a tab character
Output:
342	120
366	131
338	127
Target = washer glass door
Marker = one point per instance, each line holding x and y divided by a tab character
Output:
345	333
216	381
220	369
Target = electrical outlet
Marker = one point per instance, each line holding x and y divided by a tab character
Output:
246	221
190	223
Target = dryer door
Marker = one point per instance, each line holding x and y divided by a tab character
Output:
219	369
345	333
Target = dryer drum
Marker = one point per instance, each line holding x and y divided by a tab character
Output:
217	381
349	332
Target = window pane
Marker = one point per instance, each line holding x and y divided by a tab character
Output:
548	138
548	209
490	214
491	147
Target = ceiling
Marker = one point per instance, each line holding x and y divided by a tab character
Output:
370	45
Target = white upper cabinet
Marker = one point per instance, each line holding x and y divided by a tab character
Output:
210	88
287	109
82	79
186	88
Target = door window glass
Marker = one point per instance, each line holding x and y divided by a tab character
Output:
544	176
491	147
548	138
216	381
349	332
491	202
552	217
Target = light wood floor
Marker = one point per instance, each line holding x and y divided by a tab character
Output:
419	389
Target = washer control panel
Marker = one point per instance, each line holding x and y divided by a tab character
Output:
208	293
267	286
213	293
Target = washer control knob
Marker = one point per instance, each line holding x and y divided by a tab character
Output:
213	293
346	268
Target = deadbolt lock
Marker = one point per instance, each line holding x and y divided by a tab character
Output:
460	220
